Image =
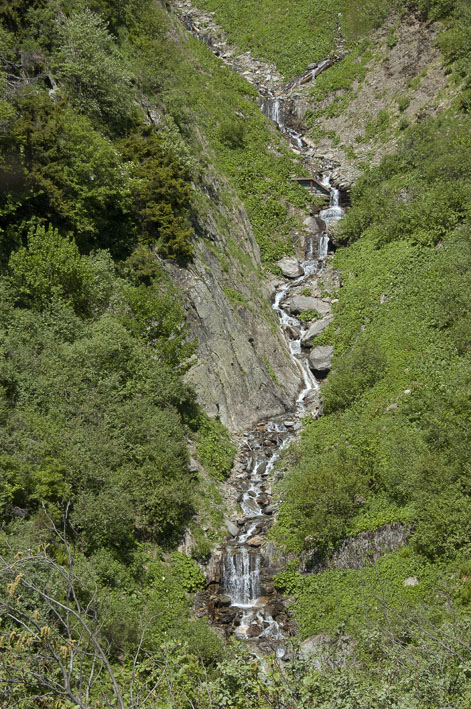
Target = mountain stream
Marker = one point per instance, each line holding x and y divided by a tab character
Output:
242	598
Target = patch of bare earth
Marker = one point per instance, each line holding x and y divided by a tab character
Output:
408	76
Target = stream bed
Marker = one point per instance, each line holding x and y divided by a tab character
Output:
241	597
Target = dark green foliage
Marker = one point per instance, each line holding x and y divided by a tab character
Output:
161	194
231	133
97	384
50	269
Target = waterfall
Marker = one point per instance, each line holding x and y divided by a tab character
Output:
241	576
245	573
271	107
331	215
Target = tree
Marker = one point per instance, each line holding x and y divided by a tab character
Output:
92	69
50	267
50	636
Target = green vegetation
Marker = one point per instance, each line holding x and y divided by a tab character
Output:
215	448
309	315
393	444
117	133
300	33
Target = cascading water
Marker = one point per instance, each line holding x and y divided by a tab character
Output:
331	215
241	574
243	560
243	577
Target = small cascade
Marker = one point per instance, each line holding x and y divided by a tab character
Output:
271	107
331	215
241	576
257	612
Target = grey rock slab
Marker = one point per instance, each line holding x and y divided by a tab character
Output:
290	267
232	528
321	357
315	329
300	303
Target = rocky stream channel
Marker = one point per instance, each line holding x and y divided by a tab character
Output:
240	595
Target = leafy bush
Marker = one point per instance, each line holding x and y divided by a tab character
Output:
215	448
232	134
92	69
358	371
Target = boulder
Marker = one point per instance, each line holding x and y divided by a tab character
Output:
296	304
254	630
315	329
411	581
320	358
250	506
290	267
313	648
222	601
255	541
226	615
232	528
315	224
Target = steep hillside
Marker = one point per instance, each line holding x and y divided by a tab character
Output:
145	203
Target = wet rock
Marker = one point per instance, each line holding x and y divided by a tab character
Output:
294	333
320	358
262	467
254	630
222	601
226	615
255	541
213	569
290	267
251	505
269	509
315	329
316	225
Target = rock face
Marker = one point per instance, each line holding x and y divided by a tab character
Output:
290	267
300	303
315	224
240	350
363	548
315	329
320	358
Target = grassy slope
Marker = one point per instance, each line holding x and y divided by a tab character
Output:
294	33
